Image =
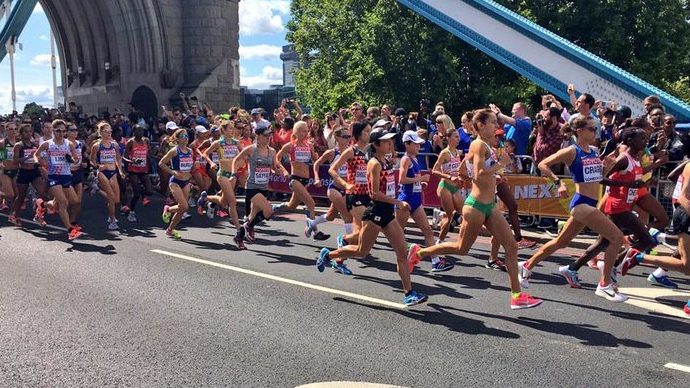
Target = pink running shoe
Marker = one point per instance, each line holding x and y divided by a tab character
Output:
524	301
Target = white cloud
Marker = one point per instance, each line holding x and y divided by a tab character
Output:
38	8
269	76
261	51
262	17
40	94
44	37
42	60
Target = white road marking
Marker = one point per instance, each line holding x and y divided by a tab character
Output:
682	368
645	297
333	291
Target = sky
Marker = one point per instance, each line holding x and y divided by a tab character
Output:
262	35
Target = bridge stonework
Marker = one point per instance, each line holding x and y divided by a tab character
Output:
116	51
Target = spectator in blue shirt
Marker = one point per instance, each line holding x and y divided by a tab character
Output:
516	127
466	133
424	159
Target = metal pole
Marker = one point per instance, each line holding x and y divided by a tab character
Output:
10	50
53	64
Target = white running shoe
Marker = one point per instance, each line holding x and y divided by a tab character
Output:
112	225
185	215
523	274
191	201
436	217
610	293
131	217
210	210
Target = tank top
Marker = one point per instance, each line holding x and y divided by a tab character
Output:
183	161
79	145
386	181
106	155
139	156
620	199
678	189
300	153
342	171
586	167
452	166
229	149
488	162
27	152
7	153
57	160
357	173
411	189
259	169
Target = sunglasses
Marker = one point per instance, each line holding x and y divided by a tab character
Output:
355	108
59	130
345	136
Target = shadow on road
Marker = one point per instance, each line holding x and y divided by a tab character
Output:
439	315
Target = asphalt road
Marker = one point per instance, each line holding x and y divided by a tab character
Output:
134	308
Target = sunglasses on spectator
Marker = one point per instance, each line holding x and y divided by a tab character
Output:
355	108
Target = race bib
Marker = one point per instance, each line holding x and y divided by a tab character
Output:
108	156
361	176
230	151
186	163
261	175
592	170
10	153
342	171
632	195
390	185
302	154
417	187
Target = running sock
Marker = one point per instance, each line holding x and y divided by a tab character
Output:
639	257
318	220
347	228
659	272
515	294
257	218
455	221
279	206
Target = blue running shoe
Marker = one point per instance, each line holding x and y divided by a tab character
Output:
442	265
341	241
662	281
323	259
340	267
414	298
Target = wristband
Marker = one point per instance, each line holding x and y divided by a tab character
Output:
557	181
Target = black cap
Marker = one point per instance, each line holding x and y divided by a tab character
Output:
623	112
400	112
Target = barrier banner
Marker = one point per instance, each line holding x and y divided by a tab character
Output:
538	196
534	195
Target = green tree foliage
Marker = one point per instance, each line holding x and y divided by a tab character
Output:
650	39
377	51
32	109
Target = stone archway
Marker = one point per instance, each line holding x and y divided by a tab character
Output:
145	100
108	49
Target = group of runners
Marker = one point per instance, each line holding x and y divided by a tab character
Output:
234	157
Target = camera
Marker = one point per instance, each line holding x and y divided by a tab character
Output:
541	121
423	102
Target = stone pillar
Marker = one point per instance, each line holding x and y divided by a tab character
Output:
211	51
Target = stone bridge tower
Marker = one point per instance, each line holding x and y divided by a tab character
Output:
147	51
